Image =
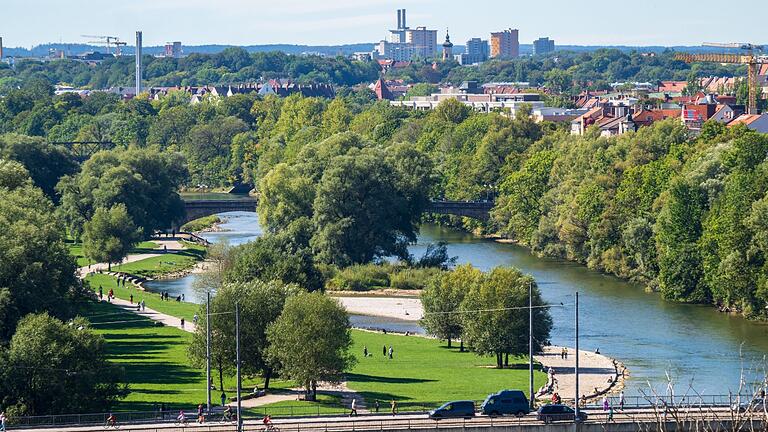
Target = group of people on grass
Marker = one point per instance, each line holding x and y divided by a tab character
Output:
384	352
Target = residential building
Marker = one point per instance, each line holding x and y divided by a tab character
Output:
543	46
405	43
756	122
476	51
447	47
508	103
505	44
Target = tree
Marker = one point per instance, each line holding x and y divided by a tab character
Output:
495	315
442	300
310	341
37	272
146	181
46	163
54	367
110	235
260	305
282	257
359	214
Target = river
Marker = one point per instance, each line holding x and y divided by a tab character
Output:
652	337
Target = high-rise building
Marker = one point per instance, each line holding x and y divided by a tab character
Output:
476	51
173	49
405	43
543	46
505	44
447	47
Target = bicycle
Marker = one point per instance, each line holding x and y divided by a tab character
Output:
271	428
111	425
228	418
180	422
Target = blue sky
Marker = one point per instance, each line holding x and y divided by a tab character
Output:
327	22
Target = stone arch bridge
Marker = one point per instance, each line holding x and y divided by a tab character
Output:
200	208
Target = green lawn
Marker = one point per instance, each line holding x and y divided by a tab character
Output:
76	250
152	300
426	371
165	263
201	224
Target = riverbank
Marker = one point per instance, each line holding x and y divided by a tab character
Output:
601	374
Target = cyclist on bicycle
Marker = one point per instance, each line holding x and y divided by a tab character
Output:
228	413
111	420
268	423
181	417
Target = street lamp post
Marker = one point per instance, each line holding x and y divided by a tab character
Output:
530	343
239	380
208	350
576	369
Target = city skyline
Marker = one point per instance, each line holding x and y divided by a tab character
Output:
240	22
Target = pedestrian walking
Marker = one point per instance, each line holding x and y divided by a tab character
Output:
621	400
610	414
200	416
131	298
223	399
393	404
365	351
194	319
353	409
101	293
606	404
182	297
390	352
165	248
565	352
182	323
143	306
2	421
376	405
384	351
111	294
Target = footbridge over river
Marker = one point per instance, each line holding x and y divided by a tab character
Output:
197	208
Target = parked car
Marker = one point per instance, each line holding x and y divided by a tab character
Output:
757	404
556	412
455	409
506	402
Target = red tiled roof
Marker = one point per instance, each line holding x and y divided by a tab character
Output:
672	86
745	119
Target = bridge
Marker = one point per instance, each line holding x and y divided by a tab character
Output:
196	209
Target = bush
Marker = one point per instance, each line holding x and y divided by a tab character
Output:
361	277
201	224
413	279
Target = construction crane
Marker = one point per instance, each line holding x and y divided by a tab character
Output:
750	57
108	41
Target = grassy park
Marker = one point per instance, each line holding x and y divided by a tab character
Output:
76	250
423	371
165	263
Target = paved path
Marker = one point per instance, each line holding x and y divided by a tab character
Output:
597	373
172	245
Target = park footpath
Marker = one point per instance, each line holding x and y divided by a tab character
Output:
164	246
599	375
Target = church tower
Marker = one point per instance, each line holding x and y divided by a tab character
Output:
447	47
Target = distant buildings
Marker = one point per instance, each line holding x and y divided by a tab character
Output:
543	46
476	51
173	49
505	44
406	43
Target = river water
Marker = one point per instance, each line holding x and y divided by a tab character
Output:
653	338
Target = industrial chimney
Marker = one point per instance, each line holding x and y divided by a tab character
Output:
138	63
1	48
399	19
405	26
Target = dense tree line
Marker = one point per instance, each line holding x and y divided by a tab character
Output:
230	66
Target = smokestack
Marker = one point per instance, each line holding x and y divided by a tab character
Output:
404	24
399	19
1	47
138	63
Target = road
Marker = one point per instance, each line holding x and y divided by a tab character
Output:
420	421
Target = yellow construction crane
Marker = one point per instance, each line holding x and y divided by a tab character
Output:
750	57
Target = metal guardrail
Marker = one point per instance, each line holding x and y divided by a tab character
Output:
319	411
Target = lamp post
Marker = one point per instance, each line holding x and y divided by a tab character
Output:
530	343
239	380
208	349
576	369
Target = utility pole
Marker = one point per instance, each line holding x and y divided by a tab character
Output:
530	342
576	371
139	47
237	349
208	349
